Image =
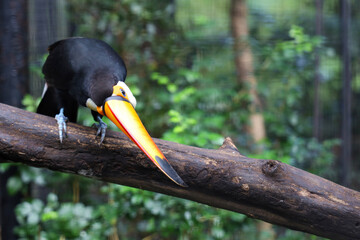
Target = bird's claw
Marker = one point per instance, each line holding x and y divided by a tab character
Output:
61	120
101	126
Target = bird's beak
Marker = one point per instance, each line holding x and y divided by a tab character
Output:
122	113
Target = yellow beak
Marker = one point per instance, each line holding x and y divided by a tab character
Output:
121	112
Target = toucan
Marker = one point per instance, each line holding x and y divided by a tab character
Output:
88	72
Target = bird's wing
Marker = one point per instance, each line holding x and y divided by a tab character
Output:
53	100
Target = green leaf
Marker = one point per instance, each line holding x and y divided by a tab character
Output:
5	166
52	215
172	88
14	185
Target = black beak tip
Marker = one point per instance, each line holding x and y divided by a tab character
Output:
170	172
180	182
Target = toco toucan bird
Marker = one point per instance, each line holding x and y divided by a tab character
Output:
88	72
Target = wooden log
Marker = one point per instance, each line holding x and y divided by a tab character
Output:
264	189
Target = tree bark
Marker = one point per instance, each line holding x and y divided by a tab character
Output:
246	77
14	84
317	80
264	189
244	67
346	124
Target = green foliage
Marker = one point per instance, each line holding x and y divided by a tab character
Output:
69	220
25	175
30	103
134	212
268	151
163	216
294	235
203	18
184	121
288	66
315	157
186	91
28	215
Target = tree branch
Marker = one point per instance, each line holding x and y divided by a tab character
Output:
265	189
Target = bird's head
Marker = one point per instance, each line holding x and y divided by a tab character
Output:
120	109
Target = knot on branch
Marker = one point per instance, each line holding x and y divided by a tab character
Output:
272	168
229	145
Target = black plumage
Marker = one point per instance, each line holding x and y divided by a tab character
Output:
77	69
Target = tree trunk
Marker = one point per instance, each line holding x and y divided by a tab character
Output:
245	76
244	67
14	84
264	189
345	161
13	51
317	80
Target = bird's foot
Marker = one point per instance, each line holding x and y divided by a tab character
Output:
61	120
101	126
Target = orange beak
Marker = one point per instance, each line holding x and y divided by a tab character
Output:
122	113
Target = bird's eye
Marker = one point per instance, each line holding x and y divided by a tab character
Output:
123	92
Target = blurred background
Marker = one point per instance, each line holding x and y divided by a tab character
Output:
280	77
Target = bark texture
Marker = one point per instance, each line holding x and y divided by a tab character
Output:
265	189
